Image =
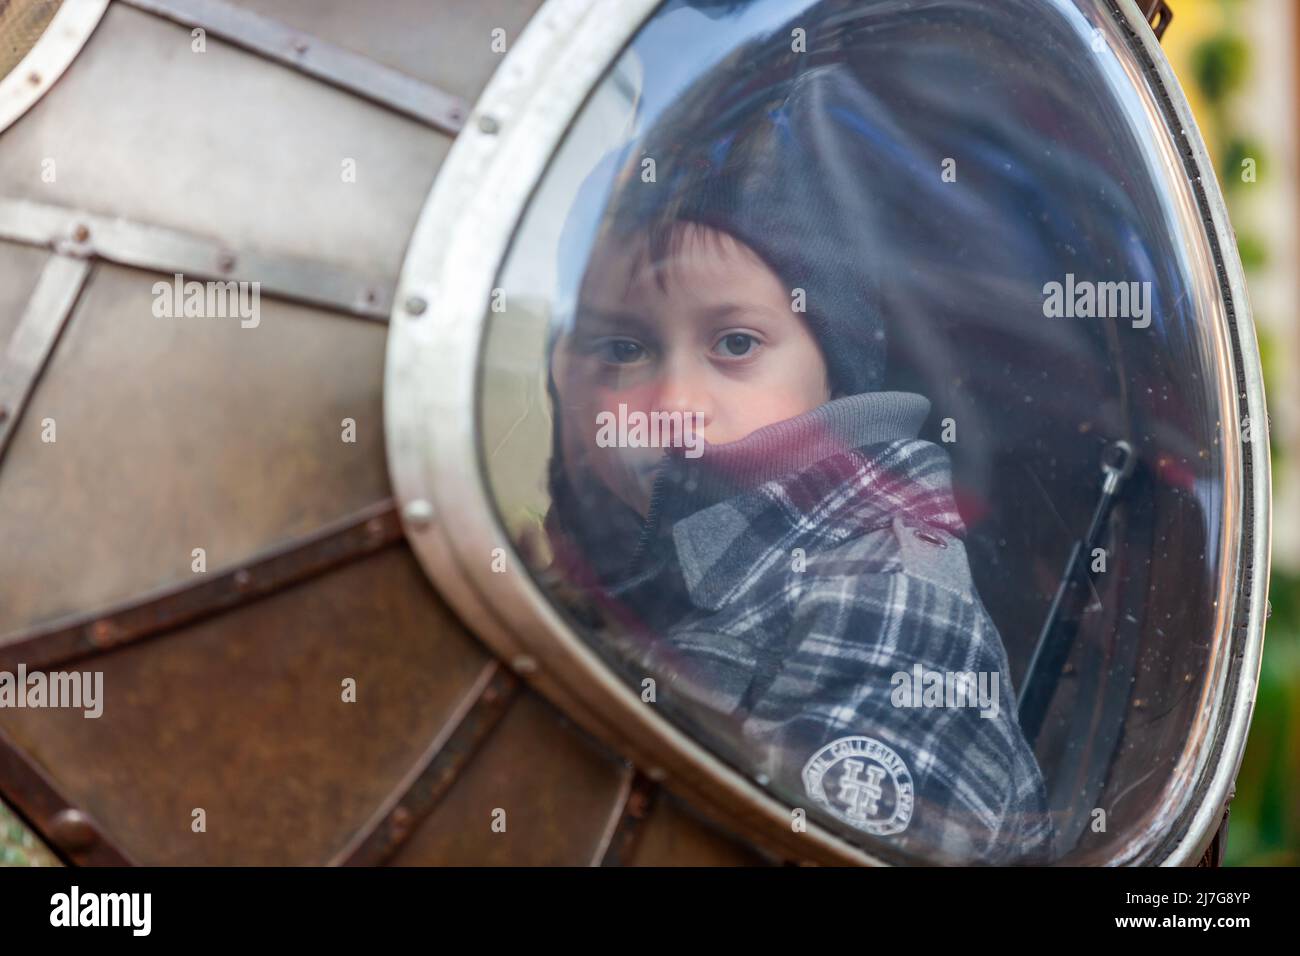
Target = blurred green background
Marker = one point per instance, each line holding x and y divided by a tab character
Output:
1237	63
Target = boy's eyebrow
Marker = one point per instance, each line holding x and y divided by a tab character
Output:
612	319
727	310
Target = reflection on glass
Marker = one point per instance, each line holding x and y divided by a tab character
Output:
804	397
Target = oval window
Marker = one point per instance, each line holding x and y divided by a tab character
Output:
859	385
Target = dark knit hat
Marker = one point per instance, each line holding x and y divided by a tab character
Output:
782	164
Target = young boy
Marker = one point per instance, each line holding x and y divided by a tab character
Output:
789	569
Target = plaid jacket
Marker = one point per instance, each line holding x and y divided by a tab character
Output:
797	626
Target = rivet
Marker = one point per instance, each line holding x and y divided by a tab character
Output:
418	513
72	830
375	529
80	232
226	262
657	774
243	580
301	46
34	79
401	818
524	664
489	125
104	633
416	305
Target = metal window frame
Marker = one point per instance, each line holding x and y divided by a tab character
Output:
431	414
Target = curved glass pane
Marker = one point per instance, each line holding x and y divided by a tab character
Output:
853	388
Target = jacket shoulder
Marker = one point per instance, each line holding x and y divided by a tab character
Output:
907	546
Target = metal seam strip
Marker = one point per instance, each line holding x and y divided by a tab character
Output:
628	822
67	830
317	58
29	349
433	776
60	642
171	252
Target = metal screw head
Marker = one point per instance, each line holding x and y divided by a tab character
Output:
489	125
104	633
524	664
375	529
243	580
418	513
416	305
72	830
80	232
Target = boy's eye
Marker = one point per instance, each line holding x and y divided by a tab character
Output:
622	351
736	344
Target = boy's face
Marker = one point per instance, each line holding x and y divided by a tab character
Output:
708	331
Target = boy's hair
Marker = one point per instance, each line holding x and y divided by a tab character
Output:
768	158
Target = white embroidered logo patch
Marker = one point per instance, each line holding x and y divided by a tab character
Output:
862	782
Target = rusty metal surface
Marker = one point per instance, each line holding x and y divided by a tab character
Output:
344	541
636	802
177	434
537	777
451	751
40	799
673	836
244	717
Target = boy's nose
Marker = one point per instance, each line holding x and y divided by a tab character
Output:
684	390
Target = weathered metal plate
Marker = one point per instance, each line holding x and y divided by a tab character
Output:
180	433
243	717
447	44
225	143
673	836
554	791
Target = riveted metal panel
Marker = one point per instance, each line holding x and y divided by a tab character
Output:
180	433
244	717
223	142
448	43
556	792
